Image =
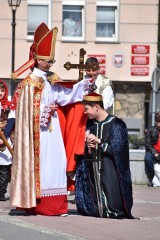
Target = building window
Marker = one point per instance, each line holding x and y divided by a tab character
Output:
107	20
73	21
38	12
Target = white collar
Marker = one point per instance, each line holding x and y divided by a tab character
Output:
39	73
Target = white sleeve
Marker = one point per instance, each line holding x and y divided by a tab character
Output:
70	95
108	97
11	114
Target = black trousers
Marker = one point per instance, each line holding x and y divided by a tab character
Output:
5	175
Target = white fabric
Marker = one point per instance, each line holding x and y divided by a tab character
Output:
52	152
156	179
5	156
104	88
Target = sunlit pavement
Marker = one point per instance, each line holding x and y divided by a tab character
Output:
146	208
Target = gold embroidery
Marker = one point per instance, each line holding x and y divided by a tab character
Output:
50	127
53	78
38	84
36	124
33	80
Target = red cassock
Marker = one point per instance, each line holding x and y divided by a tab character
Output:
72	122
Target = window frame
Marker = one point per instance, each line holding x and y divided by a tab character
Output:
109	3
74	3
40	3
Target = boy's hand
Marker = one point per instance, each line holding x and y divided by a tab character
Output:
92	140
1	142
156	155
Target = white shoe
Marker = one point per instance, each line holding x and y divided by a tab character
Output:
70	193
156	182
64	215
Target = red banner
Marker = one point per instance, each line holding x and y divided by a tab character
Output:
101	58
139	71
140	49
102	70
140	60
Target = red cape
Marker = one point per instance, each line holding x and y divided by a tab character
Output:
73	124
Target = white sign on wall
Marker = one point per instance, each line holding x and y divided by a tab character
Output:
118	59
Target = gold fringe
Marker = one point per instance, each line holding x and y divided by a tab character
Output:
50	127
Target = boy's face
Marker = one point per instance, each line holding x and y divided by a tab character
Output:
92	74
2	93
90	111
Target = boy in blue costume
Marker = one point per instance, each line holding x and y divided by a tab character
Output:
103	178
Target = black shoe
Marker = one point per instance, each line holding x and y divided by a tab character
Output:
3	199
150	184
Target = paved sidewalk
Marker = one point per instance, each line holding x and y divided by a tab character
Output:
146	207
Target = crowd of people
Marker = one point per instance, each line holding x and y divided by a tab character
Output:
94	154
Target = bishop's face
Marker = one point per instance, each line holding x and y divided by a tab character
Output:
44	65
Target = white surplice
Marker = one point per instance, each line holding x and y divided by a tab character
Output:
52	152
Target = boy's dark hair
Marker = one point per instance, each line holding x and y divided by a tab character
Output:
92	103
91	60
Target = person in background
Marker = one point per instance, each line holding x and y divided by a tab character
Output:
102	84
152	156
38	180
71	27
103	178
7	122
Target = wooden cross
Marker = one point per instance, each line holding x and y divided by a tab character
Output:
81	66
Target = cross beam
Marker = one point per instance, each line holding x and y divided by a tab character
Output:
81	66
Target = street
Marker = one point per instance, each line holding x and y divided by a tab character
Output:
14	225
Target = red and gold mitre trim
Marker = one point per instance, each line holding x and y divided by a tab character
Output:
23	68
43	47
93	97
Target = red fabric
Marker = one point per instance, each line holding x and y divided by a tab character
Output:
73	124
16	94
44	41
157	145
61	114
44	44
52	206
4	102
49	206
74	133
70	184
